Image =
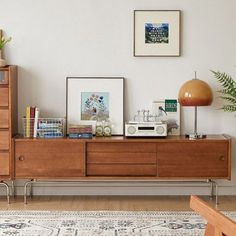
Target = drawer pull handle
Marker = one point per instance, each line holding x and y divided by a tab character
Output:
222	158
21	158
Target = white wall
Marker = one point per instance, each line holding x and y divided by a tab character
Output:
53	39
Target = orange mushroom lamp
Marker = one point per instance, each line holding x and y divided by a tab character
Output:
195	93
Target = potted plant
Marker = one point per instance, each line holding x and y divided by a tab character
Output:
3	42
228	93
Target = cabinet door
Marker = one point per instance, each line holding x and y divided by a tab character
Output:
3	97
49	159
193	159
4	119
4	163
121	159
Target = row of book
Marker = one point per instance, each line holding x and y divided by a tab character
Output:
51	127
80	131
31	121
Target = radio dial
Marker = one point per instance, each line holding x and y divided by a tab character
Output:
160	130
131	130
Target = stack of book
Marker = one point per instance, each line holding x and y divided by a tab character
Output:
80	131
31	121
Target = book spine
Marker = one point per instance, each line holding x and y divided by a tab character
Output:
27	121
36	117
32	115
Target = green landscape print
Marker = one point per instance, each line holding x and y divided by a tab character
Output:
156	33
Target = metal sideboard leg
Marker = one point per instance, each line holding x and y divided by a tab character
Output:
216	193
25	189
212	189
13	188
8	191
214	186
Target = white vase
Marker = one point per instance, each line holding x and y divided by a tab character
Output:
2	61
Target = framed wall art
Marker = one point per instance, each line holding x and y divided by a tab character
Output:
168	111
89	99
156	33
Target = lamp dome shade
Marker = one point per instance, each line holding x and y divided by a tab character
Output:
195	92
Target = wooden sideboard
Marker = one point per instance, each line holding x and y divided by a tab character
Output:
173	157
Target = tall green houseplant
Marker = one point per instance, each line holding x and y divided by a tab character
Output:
228	93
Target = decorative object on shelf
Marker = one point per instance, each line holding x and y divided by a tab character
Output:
90	99
195	93
156	33
228	93
103	128
107	129
80	131
145	129
3	42
99	128
45	127
168	111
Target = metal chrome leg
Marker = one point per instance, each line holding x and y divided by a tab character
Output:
31	190
12	188
8	192
25	189
212	189
214	185
216	193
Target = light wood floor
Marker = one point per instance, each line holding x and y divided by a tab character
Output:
115	203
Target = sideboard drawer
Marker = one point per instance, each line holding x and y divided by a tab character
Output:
4	140
121	170
4	163
4	118
4	100
121	147
121	159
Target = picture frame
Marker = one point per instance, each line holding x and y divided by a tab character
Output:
168	111
157	33
89	99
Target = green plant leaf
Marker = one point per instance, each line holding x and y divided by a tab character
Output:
228	92
229	99
229	108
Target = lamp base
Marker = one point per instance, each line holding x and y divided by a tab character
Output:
195	136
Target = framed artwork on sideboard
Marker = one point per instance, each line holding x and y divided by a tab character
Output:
157	33
168	111
89	99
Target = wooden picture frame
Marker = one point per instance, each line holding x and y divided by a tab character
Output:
89	99
157	33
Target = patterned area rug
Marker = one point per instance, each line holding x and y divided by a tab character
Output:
105	223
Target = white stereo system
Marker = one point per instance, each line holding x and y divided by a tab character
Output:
146	129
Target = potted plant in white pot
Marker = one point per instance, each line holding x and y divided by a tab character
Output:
228	93
3	42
